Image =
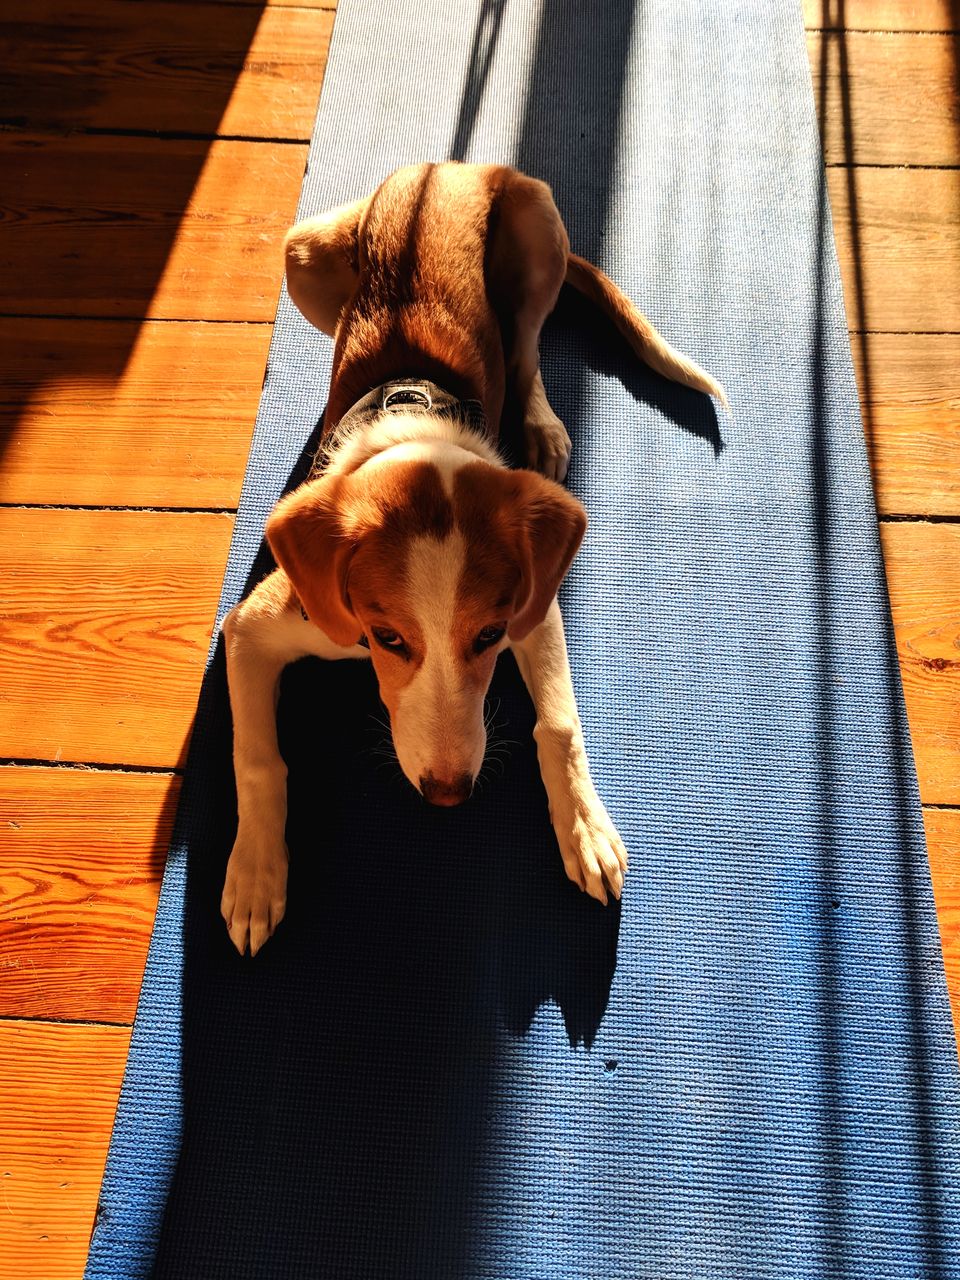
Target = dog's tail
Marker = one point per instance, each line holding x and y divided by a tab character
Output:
643	338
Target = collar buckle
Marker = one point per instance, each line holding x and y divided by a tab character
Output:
400	397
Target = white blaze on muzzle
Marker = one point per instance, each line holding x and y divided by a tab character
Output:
438	722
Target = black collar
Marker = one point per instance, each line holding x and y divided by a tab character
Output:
400	395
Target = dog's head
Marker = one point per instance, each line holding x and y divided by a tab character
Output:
439	563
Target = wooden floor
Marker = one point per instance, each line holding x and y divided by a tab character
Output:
153	155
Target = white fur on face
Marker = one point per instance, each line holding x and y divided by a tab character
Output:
438	721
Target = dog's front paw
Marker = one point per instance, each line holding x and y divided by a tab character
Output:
548	445
254	892
594	856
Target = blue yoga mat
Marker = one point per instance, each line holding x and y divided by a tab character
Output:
449	1064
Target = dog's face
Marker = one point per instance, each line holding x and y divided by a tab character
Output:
438	559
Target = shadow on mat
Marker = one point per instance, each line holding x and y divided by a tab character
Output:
347	1073
336	1088
568	136
602	350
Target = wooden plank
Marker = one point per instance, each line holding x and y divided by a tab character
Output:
908	255
73	394
95	254
865	115
330	5
81	858
121	413
911	411
105	619
59	1094
199	68
880	15
105	226
923	570
943	846
119	226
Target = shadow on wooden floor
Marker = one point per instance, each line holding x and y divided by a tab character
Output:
107	114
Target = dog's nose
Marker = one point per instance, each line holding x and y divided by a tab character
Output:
444	791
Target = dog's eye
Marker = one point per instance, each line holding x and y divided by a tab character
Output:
389	640
488	637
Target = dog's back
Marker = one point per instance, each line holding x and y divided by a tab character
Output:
418	278
421	299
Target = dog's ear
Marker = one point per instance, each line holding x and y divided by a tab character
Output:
551	528
310	544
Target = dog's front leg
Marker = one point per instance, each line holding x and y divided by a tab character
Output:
593	853
263	634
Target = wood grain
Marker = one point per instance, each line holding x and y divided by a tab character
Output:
59	1094
911	411
160	414
943	847
119	413
881	15
909	247
105	226
199	68
865	115
159	227
105	620
923	571
331	5
81	859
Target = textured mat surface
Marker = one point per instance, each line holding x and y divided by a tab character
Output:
448	1064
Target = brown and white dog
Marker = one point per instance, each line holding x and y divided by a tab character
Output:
413	544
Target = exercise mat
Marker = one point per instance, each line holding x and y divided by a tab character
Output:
449	1064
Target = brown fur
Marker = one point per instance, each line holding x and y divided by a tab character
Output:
371	274
341	541
408	317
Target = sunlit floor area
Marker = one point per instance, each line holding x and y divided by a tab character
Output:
150	181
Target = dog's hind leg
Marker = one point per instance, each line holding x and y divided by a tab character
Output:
321	256
526	268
